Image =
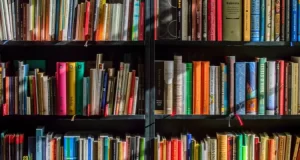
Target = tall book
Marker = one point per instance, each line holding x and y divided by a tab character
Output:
219	20
79	87
61	69
255	20
189	88
281	85
177	85
271	80
212	91
159	87
287	19
197	87
262	20
294	20
204	20
277	20
184	94
184	20
261	85
224	93
211	20
232	20
251	93
247	9
230	60
268	20
167	20
168	86
240	87
71	87
294	88
205	87
297	60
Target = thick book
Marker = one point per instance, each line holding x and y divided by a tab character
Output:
168	86
168	19
197	87
79	87
271	80
61	69
251	93
205	87
232	20
240	87
255	20
177	85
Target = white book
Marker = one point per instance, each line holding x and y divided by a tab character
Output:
268	20
177	84
118	27
184	20
66	17
217	91
93	91
7	21
117	93
13	18
97	15
125	19
50	19
213	149
203	150
136	87
3	22
184	94
252	147
212	77
271	79
11	23
168	86
124	87
45	94
113	22
273	5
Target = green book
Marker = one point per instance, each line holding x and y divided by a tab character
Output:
142	148
245	153
189	89
192	148
239	147
79	87
261	85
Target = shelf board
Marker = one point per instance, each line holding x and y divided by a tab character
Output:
71	43
223	117
222	44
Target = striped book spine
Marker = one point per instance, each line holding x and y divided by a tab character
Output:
271	80
212	104
224	98
251	94
261	85
255	15
240	87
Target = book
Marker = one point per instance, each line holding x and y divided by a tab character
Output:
232	21
271	80
251	93
255	21
168	86
71	88
197	88
79	87
61	68
240	88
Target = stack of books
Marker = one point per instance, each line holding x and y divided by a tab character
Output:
103	91
68	20
71	146
259	87
227	20
228	146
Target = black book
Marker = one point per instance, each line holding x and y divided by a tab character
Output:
159	87
17	147
179	12
190	20
287	20
54	95
168	19
132	148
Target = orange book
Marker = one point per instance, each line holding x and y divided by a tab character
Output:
197	87
180	150
205	87
53	149
271	149
161	150
7	93
46	34
174	149
169	150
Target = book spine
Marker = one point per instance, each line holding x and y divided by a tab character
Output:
179	18
205	20
298	19
189	23
294	21
272	20
61	68
71	85
70	20
212	104
282	20
247	21
25	85
230	60
251	104
135	95
287	19
217	91
224	98
135	20
281	86
189	88
79	87
261	86
177	84
219	20
211	20
46	95
240	87
199	20
271	79
262	20
255	21
295	88
277	89
142	21
205	87
38	136
290	89
168	89
286	88
196	88
268	20
277	20
194	20
184	93
103	106
184	20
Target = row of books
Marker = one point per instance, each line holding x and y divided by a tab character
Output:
85	146
228	146
105	91
259	87
68	20
227	20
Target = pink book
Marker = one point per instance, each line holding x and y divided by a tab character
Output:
219	20
61	70
87	21
211	20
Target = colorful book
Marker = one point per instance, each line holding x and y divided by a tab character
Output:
261	85
224	93
240	88
212	90
255	20
251	93
271	80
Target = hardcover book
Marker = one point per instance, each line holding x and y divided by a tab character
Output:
168	19
240	88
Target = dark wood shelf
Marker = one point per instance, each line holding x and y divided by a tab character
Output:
226	117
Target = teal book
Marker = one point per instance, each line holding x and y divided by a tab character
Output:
189	88
79	87
135	20
239	147
105	148
39	132
261	85
224	84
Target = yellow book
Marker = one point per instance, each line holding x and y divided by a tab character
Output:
71	87
120	149
101	34
247	8
222	146
294	88
164	149
263	147
288	145
196	151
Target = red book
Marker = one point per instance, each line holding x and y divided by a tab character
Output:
281	86
229	147
5	109
211	20
155	19
174	149
131	97
169	150
180	150
53	149
286	89
87	21
256	148
219	20
271	149
161	149
142	21
34	96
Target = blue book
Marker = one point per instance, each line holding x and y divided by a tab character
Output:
25	85
90	148
39	132
31	148
271	85
43	147
255	15
104	92
66	147
298	32
240	87
136	17
188	149
105	151
294	18
262	20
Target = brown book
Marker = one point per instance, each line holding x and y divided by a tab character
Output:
40	92
232	20
296	148
277	20
194	19
286	90
108	22
199	20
